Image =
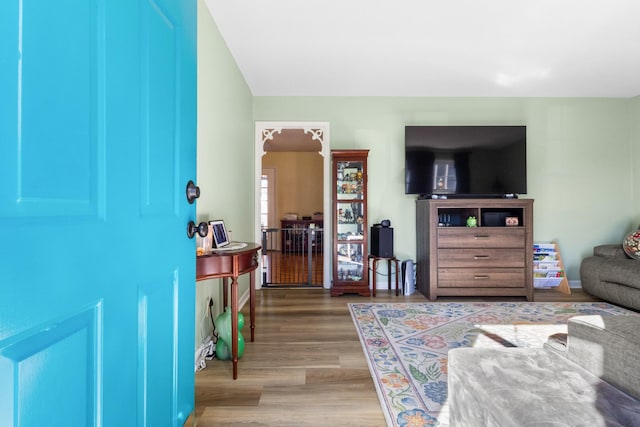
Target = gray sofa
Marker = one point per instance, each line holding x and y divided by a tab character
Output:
612	276
590	379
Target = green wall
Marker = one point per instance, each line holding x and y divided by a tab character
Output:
582	155
635	119
580	168
225	151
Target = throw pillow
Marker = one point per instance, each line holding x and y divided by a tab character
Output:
631	244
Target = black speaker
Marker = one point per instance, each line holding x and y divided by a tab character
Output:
382	242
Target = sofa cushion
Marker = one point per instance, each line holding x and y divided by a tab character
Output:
531	387
612	279
608	347
622	271
610	251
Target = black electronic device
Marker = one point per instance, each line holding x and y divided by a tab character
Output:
385	223
382	241
465	161
494	219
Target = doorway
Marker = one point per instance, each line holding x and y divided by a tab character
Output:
268	198
312	139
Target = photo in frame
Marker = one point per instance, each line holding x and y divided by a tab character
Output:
219	233
511	221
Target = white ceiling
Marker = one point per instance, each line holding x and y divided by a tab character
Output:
540	48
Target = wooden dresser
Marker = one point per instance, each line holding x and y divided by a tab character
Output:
492	259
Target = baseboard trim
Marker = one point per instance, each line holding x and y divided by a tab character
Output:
190	421
243	299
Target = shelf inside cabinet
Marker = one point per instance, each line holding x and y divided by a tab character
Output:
485	217
350	180
455	217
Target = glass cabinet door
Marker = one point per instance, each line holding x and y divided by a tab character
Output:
350	215
349	180
350	269
351	261
350	221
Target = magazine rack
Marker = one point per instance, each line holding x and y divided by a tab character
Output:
548	269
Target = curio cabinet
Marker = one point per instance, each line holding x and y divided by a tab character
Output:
349	177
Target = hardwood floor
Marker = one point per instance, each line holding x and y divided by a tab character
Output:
306	366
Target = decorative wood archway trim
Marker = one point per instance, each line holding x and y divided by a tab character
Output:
319	131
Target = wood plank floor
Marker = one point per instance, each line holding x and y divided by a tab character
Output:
306	366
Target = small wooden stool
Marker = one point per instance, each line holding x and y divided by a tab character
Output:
390	261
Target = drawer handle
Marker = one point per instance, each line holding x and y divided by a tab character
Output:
480	277
481	237
481	257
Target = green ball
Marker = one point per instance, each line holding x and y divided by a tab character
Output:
223	346
222	351
240	321
224	326
240	345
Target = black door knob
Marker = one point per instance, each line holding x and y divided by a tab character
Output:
193	192
202	229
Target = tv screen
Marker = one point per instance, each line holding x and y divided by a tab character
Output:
466	161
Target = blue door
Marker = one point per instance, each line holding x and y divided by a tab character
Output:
97	275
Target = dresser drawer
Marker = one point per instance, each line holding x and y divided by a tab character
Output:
480	237
481	277
480	257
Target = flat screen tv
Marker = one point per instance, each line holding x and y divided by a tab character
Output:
466	161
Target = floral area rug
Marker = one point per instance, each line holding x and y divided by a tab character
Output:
406	345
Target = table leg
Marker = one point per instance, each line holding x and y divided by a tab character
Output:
234	325
225	293
389	274
374	272
252	301
397	273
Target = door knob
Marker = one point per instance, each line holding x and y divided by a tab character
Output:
202	229
193	191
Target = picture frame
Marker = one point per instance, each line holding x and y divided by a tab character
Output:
350	174
220	237
511	221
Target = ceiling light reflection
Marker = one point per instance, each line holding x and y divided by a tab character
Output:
513	79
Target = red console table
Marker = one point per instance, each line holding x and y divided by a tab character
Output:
230	264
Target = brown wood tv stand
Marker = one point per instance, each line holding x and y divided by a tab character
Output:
492	259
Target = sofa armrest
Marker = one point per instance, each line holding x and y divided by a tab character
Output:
608	347
610	251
